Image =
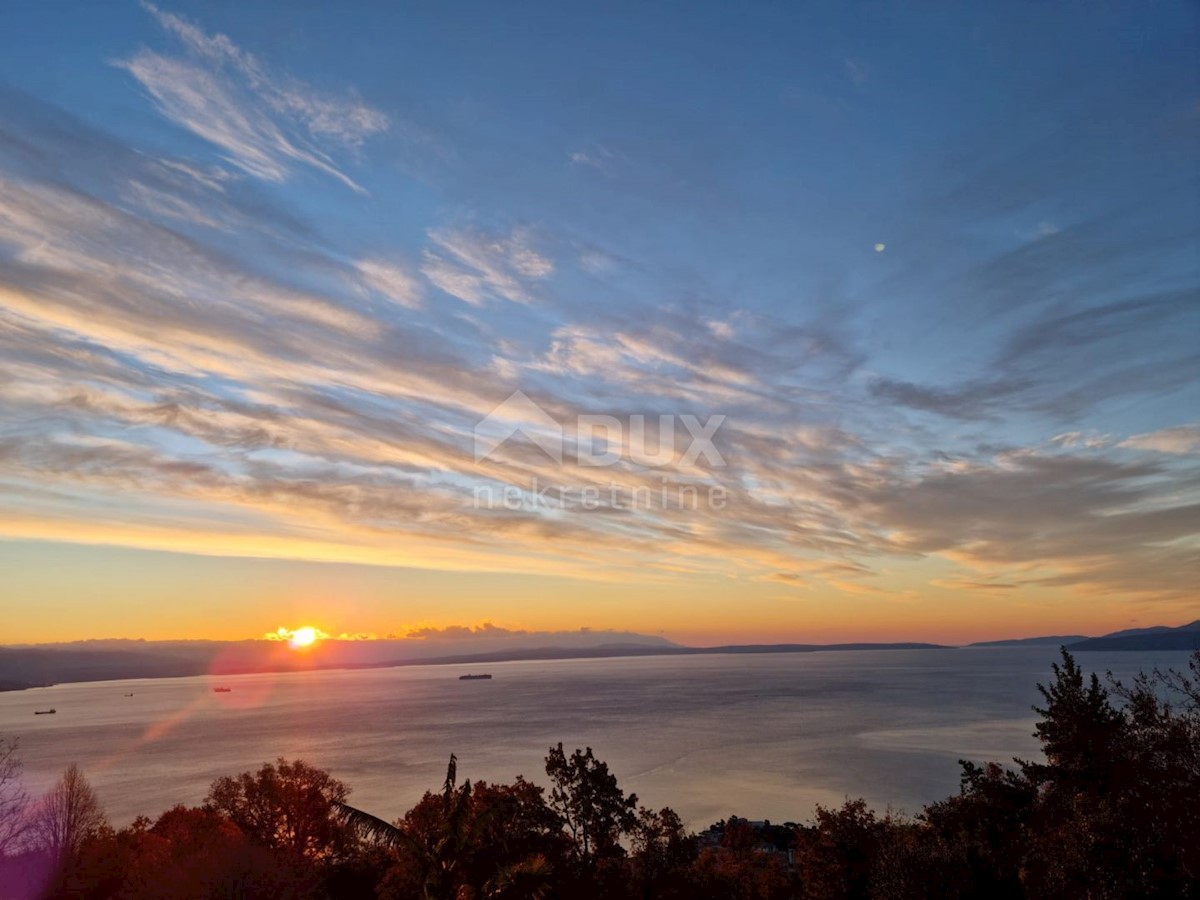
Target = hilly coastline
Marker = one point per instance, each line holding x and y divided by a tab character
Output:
1155	637
40	666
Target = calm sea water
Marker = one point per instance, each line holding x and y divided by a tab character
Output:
763	736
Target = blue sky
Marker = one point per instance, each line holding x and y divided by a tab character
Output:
262	268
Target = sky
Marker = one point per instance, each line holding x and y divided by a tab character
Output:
881	318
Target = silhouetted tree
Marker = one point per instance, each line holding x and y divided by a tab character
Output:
1161	789
1080	732
975	841
68	817
288	806
837	857
479	840
663	854
592	805
1117	811
14	800
188	854
738	870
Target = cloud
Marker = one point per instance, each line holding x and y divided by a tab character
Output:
601	159
1042	230
391	280
283	633
1061	362
144	278
970	401
1083	521
968	584
346	119
1181	440
808	573
722	330
1086	440
463	632
476	266
596	261
1048	337
265	124
197	354
653	364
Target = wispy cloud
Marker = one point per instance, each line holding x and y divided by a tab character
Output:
1181	440
235	382
476	265
392	280
601	159
463	632
1085	440
974	400
265	124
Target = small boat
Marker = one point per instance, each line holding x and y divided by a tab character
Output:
129	695
474	677
44	712
222	690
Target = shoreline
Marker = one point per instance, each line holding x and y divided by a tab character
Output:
529	655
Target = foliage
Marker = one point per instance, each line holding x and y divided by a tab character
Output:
14	800
662	854
738	868
69	816
592	805
838	854
480	840
287	806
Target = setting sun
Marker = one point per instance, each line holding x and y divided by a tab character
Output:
303	637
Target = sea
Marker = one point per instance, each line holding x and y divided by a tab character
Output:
762	736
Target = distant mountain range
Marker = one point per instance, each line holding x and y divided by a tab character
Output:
46	664
104	660
1159	637
1055	640
110	660
1156	637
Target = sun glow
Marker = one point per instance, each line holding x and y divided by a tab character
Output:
297	638
303	637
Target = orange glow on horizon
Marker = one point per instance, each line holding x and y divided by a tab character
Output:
297	638
303	637
118	594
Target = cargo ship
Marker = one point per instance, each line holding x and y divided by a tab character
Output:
474	677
